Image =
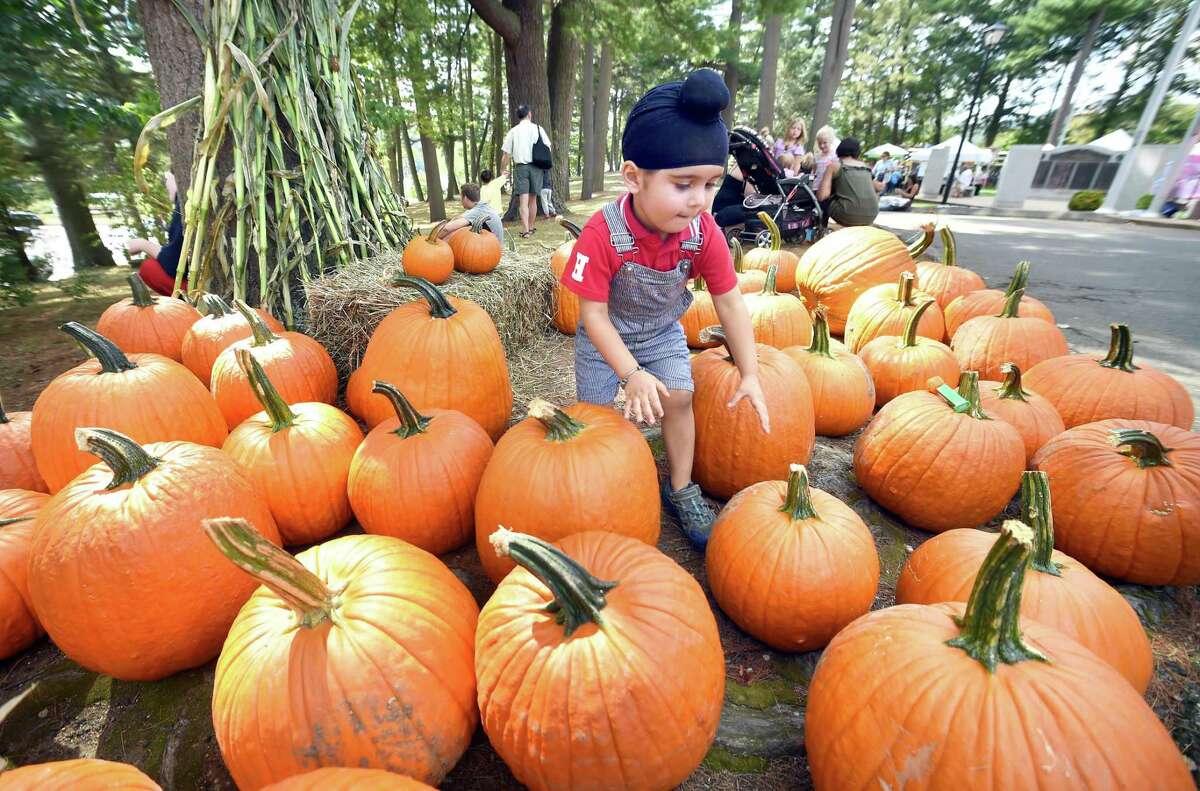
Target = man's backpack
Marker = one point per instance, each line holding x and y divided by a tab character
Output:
541	152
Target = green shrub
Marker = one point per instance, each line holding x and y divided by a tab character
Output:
1086	200
1144	202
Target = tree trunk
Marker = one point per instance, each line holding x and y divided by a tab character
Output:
772	30
993	127
1059	127
600	109
587	130
496	85
837	49
412	161
561	63
16	244
451	176
472	164
393	153
733	55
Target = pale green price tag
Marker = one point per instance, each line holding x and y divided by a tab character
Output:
958	403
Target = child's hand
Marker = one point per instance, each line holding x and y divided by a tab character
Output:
750	388
643	397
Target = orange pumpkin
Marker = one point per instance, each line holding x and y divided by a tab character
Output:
18	468
844	264
78	774
763	258
946	281
635	662
299	367
443	353
566	303
563	471
732	452
146	396
357	652
750	281
843	392
435	460
146	322
101	581
429	257
985	343
791	565
476	250
1060	592
884	310
341	778
779	320
700	314
904	364
1030	414
947	696
19	627
936	467
1125	495
990	301
219	328
298	458
1085	388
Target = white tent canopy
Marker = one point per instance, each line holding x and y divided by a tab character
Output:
1118	141
970	152
879	150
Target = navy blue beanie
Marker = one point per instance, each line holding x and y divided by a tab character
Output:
678	124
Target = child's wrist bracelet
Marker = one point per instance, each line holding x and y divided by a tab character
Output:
624	380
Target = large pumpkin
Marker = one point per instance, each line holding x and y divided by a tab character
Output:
778	320
415	476
884	310
147	396
300	368
945	280
563	471
990	301
566	303
1059	591
339	778
750	281
791	565
476	250
77	774
443	353
843	392
120	572
1085	388
844	264
18	468
904	364
599	665
146	322
298	458
936	467
357	652
947	696
429	257
700	314
985	343
19	626
1029	413
219	327
732	452
763	258
1126	495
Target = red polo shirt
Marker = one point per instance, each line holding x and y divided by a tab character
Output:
594	262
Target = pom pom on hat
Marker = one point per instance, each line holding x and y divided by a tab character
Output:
678	124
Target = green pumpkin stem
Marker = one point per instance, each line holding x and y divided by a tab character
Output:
769	286
1011	386
432	236
991	626
1120	349
921	242
739	255
213	305
476	223
909	338
412	422
261	332
820	338
572	229
560	426
968	390
112	359
950	256
141	294
439	306
1012	304
128	460
578	596
14	520
277	408
1143	447
798	503
716	334
698	284
1035	511
773	229
286	577
904	290
1020	278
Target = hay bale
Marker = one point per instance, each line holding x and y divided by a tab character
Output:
543	368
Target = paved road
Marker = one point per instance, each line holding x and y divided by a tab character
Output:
1094	274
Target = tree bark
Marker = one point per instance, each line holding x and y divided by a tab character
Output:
412	161
497	102
561	63
451	176
733	55
837	49
600	108
16	244
993	127
1062	116
587	124
772	30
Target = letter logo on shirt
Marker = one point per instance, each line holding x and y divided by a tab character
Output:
580	262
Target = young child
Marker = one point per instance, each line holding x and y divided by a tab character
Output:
476	209
630	268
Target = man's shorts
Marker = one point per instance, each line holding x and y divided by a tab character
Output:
527	179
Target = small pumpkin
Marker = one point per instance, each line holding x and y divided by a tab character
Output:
750	281
985	343
1059	591
566	303
563	471
935	466
415	476
884	310
429	257
1125	494
990	301
732	452
121	576
763	258
299	367
146	322
77	774
1085	388
341	778
700	314
843	392
904	364
443	353
362	646
1034	417
974	696
791	565
779	320
19	627
844	264
147	396
635	661
476	250
217	329
945	280
18	468
298	458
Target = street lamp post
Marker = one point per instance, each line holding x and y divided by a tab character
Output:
991	37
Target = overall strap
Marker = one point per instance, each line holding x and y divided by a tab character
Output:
619	235
695	241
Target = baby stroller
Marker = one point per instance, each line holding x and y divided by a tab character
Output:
791	202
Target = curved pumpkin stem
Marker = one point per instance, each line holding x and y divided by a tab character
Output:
920	243
1011	386
112	359
1020	278
716	334
1144	448
572	229
798	503
277	408
14	520
950	257
991	627
1035	510
141	294
773	229
1012	305
904	289
560	426
739	255
698	284
909	338
1120	349
769	285
476	224
820	338
262	333
578	596
128	460
213	305
439	306
432	236
411	421
300	589
966	397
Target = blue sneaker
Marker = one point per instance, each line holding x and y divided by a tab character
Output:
692	511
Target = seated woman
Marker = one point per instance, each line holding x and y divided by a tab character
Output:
847	193
158	269
727	207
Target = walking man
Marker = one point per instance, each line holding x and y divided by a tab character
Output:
527	178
